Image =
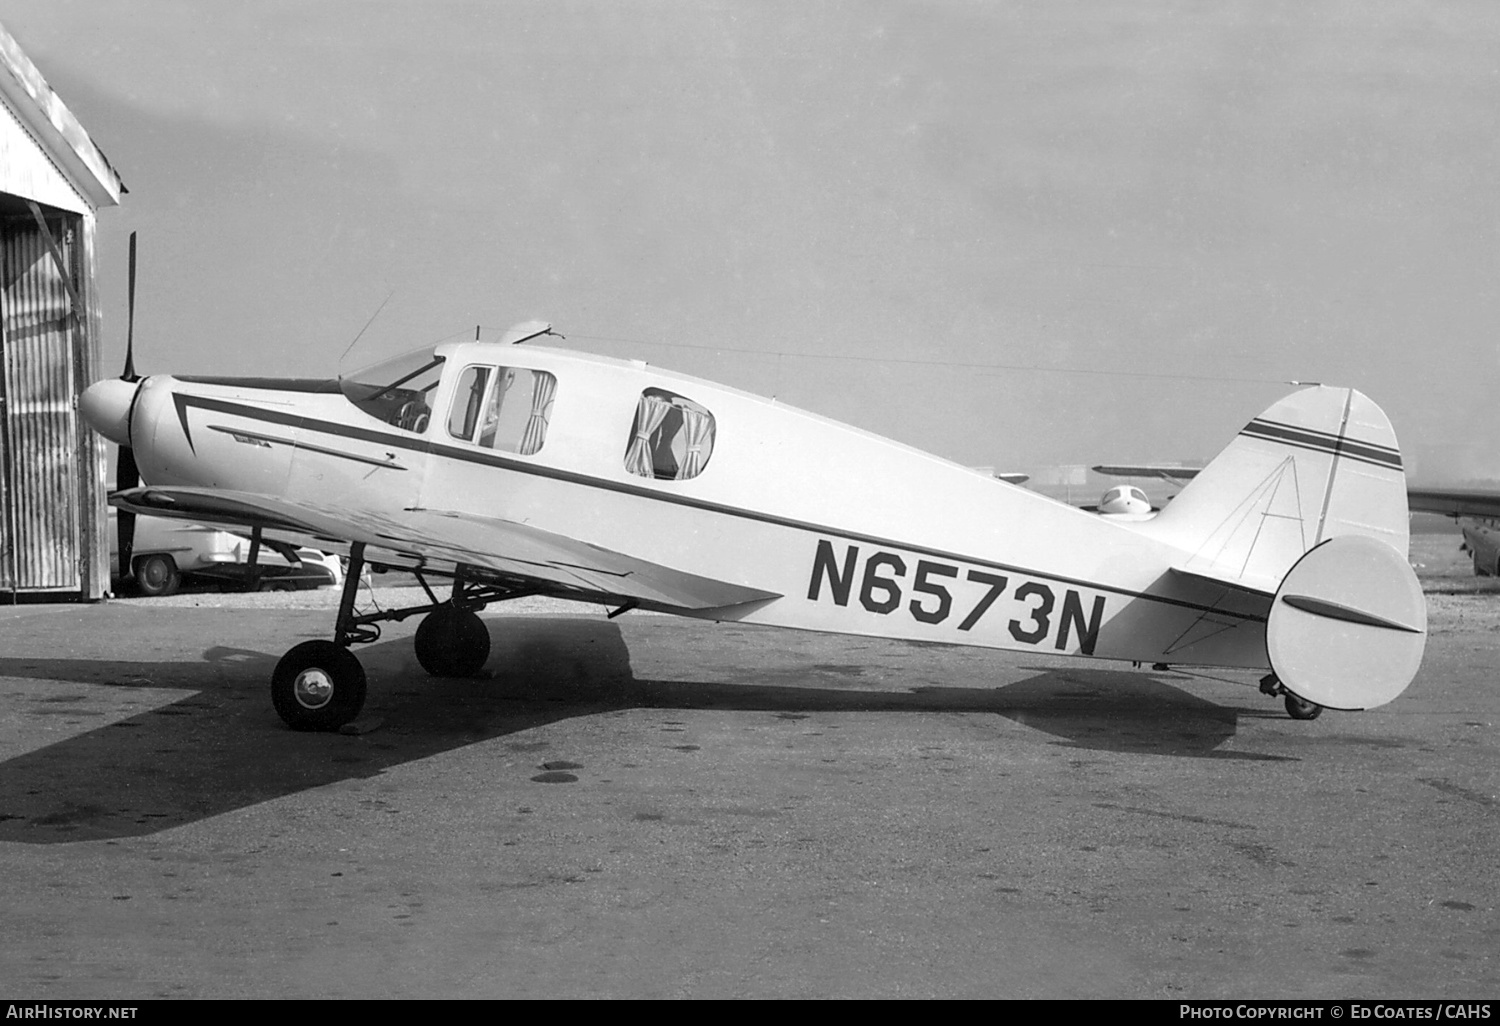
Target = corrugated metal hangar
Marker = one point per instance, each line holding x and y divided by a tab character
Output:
53	182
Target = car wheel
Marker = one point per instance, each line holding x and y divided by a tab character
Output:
157	575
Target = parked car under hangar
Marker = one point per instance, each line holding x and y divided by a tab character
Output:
169	553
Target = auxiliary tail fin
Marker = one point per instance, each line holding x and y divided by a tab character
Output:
1308	505
1321	463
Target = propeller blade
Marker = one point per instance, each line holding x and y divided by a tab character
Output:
127	475
130	374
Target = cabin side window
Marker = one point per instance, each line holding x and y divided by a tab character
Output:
503	408
672	438
468	401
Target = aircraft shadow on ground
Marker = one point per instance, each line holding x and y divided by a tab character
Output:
223	748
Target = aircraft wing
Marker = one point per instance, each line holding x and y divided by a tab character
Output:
1166	472
1458	502
559	564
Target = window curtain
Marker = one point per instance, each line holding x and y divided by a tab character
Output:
698	434
541	409
649	415
506	378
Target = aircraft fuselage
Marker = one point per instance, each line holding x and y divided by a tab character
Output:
856	534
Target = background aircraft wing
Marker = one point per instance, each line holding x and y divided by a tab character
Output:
1458	502
1168	472
415	538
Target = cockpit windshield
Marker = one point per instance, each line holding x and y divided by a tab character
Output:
397	391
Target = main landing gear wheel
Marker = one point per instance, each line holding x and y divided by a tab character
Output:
452	642
1301	708
318	685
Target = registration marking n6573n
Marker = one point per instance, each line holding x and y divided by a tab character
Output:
934	592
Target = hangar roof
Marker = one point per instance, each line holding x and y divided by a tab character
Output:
27	94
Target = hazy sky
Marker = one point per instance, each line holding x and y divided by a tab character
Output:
993	230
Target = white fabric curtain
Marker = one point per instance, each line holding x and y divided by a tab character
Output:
492	411
648	417
698	434
541	409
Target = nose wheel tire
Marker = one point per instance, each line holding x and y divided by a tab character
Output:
452	642
1301	708
318	685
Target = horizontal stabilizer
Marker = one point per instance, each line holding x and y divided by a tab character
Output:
1348	625
1226	581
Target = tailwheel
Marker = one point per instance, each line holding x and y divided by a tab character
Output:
318	685
452	642
1301	708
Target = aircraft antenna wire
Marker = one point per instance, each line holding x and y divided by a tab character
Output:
366	328
965	365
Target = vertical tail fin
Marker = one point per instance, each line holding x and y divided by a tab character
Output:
1319	464
1308	505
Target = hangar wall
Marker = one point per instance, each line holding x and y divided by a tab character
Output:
46	489
53	180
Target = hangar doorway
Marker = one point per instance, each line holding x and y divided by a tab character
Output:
42	338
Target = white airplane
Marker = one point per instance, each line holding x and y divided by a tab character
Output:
1130	500
1124	501
1118	501
520	469
1477	511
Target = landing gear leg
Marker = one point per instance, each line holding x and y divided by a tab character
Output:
452	641
320	685
1296	707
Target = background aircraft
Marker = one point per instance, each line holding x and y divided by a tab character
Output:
1477	511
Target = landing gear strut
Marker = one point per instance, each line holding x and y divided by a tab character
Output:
1297	708
320	685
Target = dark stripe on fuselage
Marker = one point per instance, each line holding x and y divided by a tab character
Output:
483	457
1322	441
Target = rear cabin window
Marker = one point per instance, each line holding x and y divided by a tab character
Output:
672	438
503	408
